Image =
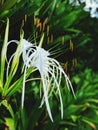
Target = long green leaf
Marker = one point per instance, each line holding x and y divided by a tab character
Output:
3	54
14	65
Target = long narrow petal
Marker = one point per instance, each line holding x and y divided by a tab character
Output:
61	102
46	98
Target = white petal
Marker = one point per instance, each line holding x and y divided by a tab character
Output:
46	98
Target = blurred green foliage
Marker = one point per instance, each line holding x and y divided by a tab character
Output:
80	113
72	35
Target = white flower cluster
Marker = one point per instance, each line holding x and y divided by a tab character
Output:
90	6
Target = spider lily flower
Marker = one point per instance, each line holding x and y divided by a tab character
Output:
50	71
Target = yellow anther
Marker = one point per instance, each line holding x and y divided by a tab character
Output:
63	40
51	38
71	45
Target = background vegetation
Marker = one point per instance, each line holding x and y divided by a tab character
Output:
71	33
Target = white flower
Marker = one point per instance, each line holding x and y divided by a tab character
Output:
90	6
50	71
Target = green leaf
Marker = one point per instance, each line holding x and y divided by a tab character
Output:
3	54
16	58
23	119
41	40
64	122
10	123
14	65
89	123
8	107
